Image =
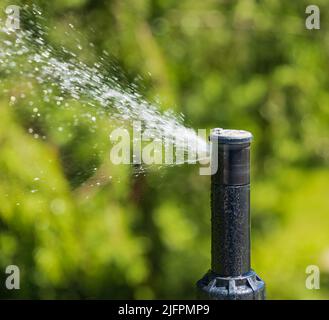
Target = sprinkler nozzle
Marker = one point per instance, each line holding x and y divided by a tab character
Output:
230	276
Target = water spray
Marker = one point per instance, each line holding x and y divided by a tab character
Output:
230	276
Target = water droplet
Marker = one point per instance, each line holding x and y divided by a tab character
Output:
58	206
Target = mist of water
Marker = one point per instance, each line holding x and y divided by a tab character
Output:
27	53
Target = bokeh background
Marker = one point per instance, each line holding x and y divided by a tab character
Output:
236	64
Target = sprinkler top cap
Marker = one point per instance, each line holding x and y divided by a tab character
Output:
231	136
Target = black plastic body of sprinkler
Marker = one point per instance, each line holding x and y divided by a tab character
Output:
231	276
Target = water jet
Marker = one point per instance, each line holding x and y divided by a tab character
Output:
230	276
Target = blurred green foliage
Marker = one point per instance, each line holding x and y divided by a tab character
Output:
81	227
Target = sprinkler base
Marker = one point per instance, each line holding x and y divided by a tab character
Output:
245	287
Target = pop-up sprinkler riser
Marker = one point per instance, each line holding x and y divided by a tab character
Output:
231	276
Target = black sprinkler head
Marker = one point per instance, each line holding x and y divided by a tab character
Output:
230	276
